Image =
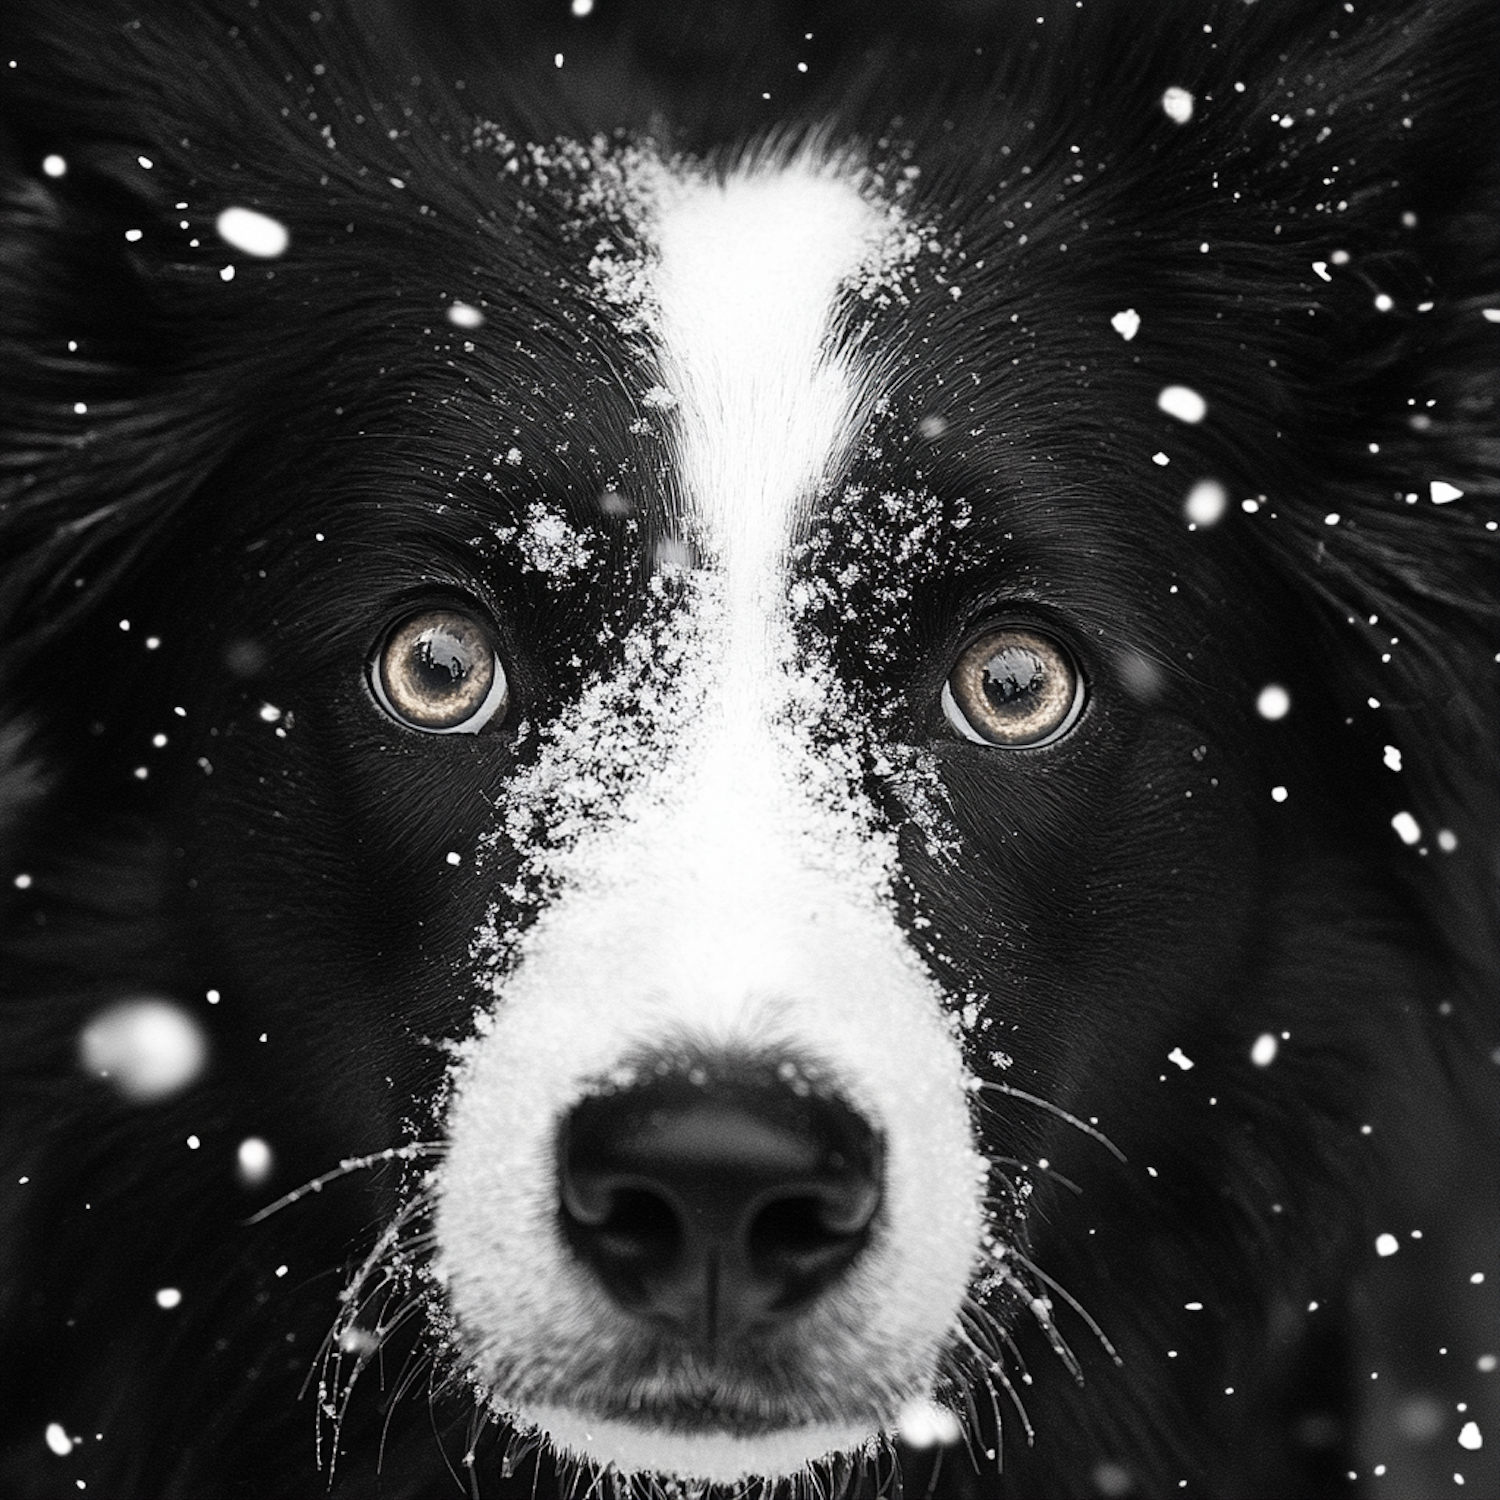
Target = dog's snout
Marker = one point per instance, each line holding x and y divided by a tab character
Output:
713	1202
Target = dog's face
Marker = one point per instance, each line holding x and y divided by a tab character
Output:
708	754
733	768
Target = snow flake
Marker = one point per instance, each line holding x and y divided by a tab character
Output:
148	1048
1407	828
255	1160
1206	502
1274	702
1182	402
1177	104
1263	1052
924	1424
252	232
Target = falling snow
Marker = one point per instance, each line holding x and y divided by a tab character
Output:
252	232
148	1048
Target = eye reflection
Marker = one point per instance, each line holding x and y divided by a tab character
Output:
438	671
1013	687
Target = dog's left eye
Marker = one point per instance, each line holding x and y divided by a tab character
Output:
438	671
1013	687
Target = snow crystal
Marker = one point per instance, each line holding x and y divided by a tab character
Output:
1408	830
549	544
1469	1437
1392	760
253	232
1177	104
1273	702
148	1048
1127	324
255	1161
1182	402
1178	1056
1386	1245
54	166
924	1424
1278	794
1113	1481
169	1297
58	1440
1443	493
465	315
1263	1052
1206	502
1447	840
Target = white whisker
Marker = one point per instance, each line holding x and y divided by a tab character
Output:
1092	1131
345	1168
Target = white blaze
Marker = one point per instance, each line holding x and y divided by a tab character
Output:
736	894
746	284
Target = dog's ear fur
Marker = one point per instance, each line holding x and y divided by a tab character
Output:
120	311
1380	166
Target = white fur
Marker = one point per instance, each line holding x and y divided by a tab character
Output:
731	889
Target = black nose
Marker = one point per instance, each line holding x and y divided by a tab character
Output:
714	1200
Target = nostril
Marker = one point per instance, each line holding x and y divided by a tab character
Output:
803	1242
712	1198
814	1219
637	1226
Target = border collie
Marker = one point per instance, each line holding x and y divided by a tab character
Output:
741	746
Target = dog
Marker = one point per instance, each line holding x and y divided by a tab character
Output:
742	746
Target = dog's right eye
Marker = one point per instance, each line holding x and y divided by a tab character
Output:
1014	687
438	671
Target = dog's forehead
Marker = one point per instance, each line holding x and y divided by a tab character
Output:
748	291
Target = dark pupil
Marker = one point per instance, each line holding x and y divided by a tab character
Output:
439	662
1013	677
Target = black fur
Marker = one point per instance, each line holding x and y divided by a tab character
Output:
257	472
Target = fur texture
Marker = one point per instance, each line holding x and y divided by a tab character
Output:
738	370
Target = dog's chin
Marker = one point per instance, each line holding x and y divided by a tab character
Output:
692	1448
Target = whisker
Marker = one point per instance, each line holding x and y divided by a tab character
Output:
1091	1131
349	1165
1035	1166
1093	1327
985	1327
412	1368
